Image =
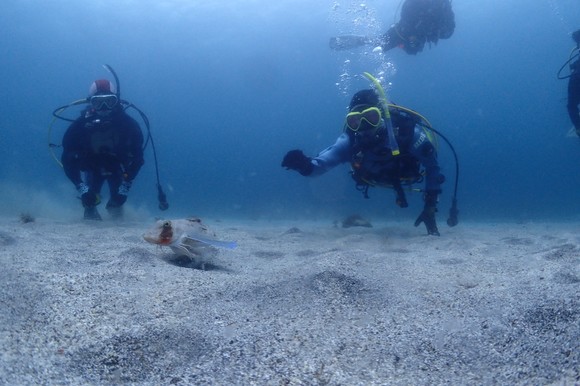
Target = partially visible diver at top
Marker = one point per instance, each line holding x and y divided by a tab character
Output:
422	21
573	84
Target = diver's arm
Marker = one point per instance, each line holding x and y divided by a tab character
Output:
133	159
426	153
71	154
332	156
323	162
574	99
391	39
71	168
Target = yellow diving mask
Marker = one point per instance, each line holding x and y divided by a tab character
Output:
372	116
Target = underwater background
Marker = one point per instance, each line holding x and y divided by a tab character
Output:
230	86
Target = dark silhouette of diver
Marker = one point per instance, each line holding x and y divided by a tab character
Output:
421	22
104	144
573	83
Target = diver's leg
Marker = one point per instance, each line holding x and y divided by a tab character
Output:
94	181
115	203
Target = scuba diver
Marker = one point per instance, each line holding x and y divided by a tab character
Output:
104	144
573	84
386	145
421	22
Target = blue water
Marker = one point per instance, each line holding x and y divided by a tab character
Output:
230	86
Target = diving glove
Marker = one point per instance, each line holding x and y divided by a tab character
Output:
296	160
427	216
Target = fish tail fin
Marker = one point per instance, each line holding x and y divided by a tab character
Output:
214	243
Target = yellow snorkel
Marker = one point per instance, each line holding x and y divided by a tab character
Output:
385	105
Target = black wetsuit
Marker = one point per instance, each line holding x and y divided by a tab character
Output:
574	95
422	21
105	148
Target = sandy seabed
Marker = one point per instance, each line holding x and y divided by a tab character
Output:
296	303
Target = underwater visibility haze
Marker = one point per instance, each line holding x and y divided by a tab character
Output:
230	86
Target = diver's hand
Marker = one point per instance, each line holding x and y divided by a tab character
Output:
296	160
427	216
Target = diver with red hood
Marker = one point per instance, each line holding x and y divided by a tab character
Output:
103	144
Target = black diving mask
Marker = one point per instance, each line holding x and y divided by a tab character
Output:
103	102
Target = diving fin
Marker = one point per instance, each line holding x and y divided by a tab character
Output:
346	42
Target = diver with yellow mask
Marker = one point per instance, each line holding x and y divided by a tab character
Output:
386	148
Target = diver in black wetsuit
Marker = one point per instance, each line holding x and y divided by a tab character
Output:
574	86
104	144
421	22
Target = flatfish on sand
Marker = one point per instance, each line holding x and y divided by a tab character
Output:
186	237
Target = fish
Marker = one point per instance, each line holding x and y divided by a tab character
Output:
186	237
355	220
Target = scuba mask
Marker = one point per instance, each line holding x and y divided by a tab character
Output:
367	127
103	102
356	119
